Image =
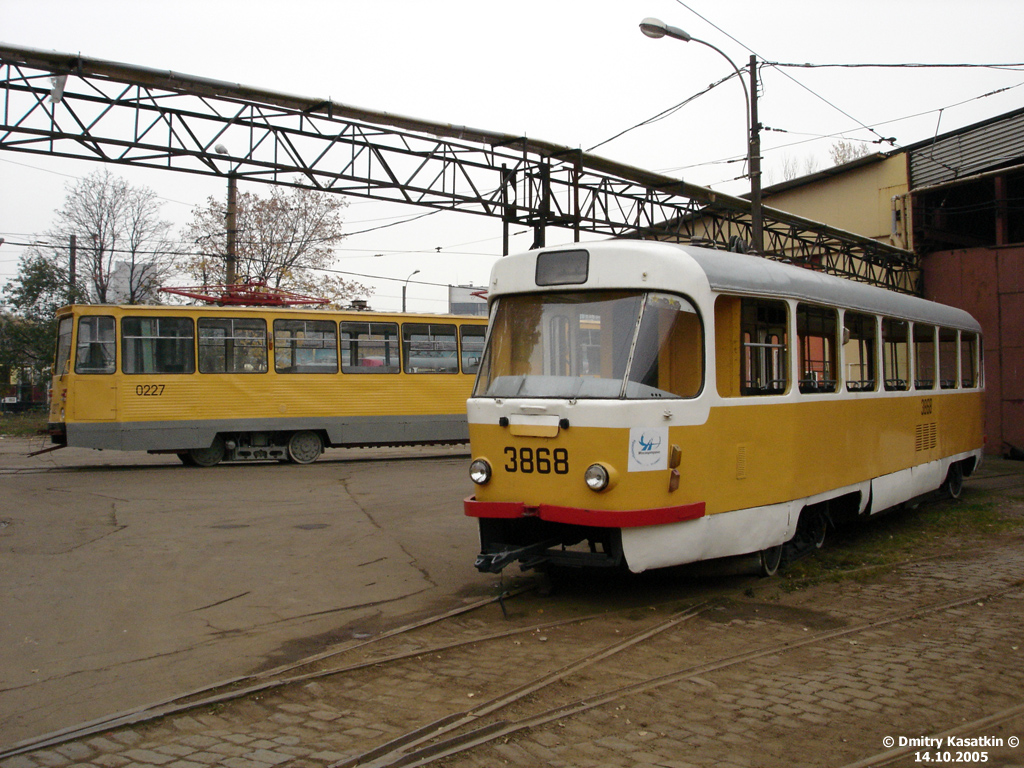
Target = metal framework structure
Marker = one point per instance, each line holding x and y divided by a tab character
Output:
71	106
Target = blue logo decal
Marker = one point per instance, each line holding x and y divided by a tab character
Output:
646	449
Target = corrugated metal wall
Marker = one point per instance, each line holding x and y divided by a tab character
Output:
962	154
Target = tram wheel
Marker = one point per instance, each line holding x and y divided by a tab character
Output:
208	457
817	529
954	484
771	559
305	447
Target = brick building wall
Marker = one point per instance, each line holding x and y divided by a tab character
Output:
989	283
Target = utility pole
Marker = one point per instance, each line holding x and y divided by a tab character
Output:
72	268
756	220
232	227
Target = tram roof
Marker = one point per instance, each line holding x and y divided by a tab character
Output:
742	273
729	272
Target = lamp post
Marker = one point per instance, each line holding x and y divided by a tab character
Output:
231	225
655	28
406	285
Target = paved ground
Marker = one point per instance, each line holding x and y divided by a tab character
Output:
769	673
127	577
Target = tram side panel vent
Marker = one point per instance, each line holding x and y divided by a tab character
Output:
926	436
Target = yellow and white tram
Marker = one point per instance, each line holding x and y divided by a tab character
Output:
652	404
233	383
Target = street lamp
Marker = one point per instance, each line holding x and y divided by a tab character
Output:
406	285
655	28
230	222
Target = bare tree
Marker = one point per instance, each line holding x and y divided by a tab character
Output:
795	167
123	250
790	167
844	151
285	241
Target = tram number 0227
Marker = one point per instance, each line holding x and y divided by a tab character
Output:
543	461
150	390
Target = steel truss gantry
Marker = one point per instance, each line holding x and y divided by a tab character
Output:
72	106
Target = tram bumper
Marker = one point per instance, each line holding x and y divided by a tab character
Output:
571	537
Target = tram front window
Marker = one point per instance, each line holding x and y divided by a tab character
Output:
600	344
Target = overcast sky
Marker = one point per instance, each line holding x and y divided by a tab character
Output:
572	72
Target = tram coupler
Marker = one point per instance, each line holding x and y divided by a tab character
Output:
495	562
46	450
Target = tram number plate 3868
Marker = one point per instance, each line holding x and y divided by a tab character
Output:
543	461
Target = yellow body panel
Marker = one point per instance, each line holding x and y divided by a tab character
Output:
744	456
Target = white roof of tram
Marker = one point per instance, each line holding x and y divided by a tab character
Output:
729	272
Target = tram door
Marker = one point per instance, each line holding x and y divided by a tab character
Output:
95	389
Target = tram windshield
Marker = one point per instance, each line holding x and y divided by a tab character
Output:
594	344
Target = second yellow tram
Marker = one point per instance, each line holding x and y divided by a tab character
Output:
218	384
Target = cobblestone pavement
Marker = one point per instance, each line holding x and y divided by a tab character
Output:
763	675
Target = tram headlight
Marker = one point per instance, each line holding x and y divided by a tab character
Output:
480	471
597	477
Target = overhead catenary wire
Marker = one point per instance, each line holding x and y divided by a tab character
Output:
880	139
1009	67
665	112
843	133
790	77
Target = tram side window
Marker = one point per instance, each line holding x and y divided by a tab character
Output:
369	347
763	343
305	346
860	335
947	358
430	348
232	345
816	331
896	354
970	360
95	352
924	356
472	338
157	345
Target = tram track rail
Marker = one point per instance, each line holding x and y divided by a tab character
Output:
174	465
487	722
246	685
979	725
464	731
291	674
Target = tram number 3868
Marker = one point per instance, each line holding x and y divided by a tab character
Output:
542	461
